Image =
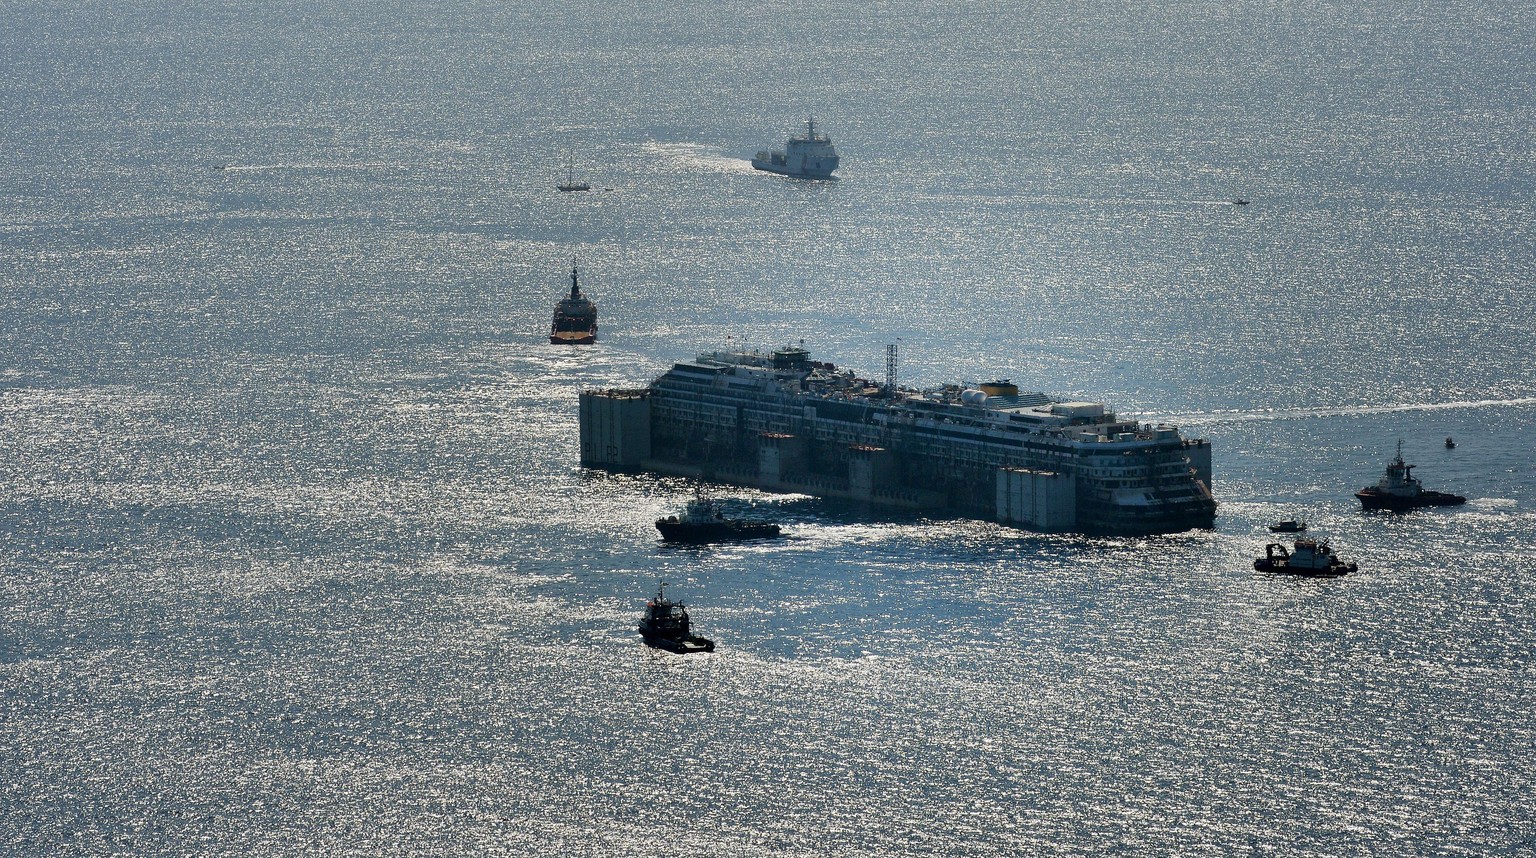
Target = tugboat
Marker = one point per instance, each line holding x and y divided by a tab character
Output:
1398	489
1290	525
1311	558
702	522
806	156
666	626
575	321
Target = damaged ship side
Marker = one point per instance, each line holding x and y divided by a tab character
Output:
782	422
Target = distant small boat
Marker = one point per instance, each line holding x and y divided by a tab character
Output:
1290	525
1239	202
570	183
1450	443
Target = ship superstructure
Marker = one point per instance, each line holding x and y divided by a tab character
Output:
784	422
806	156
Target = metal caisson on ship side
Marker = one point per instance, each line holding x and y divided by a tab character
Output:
783	422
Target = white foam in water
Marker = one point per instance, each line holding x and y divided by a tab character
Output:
694	157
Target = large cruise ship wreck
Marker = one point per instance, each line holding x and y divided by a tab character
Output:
783	422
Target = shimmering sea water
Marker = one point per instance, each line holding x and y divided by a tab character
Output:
296	557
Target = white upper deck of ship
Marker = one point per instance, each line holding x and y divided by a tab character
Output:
1009	410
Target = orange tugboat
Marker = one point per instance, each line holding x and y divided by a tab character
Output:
575	321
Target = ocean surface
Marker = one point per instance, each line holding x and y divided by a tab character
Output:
296	557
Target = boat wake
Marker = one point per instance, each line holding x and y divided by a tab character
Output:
266	168
1493	503
1210	418
695	157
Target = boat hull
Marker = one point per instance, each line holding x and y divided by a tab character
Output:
714	531
1110	520
573	338
782	170
1280	567
1375	500
681	645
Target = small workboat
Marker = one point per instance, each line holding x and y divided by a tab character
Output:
1310	557
1450	443
702	522
666	625
1290	525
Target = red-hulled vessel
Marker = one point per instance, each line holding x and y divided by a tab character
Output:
1398	489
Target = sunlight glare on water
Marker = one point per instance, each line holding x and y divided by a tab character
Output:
298	557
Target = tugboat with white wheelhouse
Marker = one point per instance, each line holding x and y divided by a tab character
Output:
575	322
666	625
1310	557
1399	490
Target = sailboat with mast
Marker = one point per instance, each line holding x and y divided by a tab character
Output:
570	183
